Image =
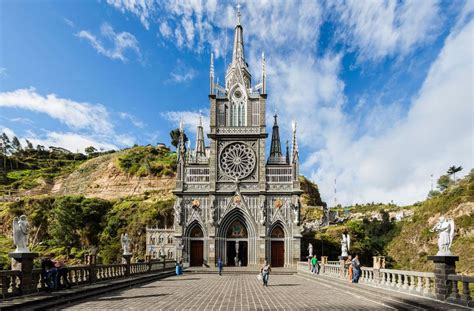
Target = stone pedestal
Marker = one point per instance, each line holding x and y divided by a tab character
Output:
443	266
91	262
127	259
342	263
24	263
379	262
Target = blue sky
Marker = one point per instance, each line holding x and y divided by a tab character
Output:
381	90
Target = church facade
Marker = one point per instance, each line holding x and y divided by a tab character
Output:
233	202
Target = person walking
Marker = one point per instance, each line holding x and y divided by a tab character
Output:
220	264
355	269
265	271
314	265
348	265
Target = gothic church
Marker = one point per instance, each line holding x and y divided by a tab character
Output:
232	201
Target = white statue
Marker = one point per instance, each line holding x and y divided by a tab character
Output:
125	240
445	228
310	250
21	229
345	245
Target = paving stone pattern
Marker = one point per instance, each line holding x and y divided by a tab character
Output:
242	292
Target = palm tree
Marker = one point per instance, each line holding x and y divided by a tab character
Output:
453	170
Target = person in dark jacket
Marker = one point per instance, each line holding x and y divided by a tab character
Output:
49	273
220	264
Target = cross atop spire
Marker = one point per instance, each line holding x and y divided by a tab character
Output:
238	14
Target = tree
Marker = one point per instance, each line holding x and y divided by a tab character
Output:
453	170
6	149
174	134
443	182
90	150
16	146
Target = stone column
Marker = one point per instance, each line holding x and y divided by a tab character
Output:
443	266
127	258
378	263
342	261
91	262
24	263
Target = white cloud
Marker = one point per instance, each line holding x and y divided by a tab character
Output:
71	141
165	30
182	73
74	114
3	72
141	8
382	28
397	163
135	121
69	22
119	43
190	120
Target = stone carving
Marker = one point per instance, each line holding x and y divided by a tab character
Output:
310	250
125	240
345	244
445	229
263	213
237	160
21	230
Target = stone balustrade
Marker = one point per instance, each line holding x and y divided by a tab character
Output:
10	284
426	284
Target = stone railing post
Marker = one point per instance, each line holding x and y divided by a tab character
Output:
443	266
324	261
378	263
24	263
91	261
342	269
127	259
149	262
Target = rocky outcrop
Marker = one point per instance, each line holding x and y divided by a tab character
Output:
101	178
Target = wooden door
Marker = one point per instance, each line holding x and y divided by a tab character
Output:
197	258
278	253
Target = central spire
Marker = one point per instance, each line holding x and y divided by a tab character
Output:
238	51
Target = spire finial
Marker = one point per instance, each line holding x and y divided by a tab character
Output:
238	13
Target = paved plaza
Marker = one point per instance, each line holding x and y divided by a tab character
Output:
245	292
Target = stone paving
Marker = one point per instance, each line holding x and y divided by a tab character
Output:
244	292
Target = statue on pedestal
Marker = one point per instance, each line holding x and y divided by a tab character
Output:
345	244
310	250
445	229
125	240
21	229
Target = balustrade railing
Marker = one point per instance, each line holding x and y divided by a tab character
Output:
412	282
10	280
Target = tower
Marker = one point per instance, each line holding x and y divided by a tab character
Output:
233	202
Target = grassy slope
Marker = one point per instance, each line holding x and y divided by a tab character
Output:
410	248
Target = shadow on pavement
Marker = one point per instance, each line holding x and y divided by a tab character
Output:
131	297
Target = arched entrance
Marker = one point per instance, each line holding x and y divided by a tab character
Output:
277	246
237	244
236	237
196	251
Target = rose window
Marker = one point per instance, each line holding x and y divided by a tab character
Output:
237	160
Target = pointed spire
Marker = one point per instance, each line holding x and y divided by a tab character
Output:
264	75
181	147
276	156
294	152
200	150
238	51
211	75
